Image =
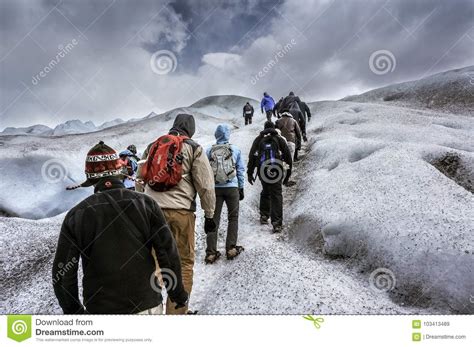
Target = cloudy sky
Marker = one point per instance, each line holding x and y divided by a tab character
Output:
99	60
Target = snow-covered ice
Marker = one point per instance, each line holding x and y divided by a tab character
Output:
381	188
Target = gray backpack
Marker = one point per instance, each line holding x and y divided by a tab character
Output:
222	163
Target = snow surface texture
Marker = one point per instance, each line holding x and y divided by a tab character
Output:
449	91
381	190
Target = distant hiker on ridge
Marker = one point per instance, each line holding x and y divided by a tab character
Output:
248	113
267	104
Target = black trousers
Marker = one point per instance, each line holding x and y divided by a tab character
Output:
248	119
269	114
271	202
231	198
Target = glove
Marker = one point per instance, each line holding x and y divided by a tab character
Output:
209	225
180	301
241	194
287	177
309	119
305	139
250	178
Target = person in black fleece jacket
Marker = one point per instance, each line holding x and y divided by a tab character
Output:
113	232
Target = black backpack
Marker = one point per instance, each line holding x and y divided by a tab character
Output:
269	151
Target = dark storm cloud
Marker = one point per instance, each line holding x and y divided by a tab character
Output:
221	47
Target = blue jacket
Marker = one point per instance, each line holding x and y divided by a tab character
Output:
267	103
222	135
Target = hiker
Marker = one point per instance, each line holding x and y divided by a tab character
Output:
271	157
248	113
267	104
291	131
293	105
114	232
133	149
306	111
276	107
177	168
228	167
131	167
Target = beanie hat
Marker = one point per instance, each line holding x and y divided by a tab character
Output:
269	125
102	161
132	148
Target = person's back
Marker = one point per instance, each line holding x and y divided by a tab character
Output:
228	166
196	174
179	202
271	156
113	231
291	131
290	103
267	104
248	113
289	127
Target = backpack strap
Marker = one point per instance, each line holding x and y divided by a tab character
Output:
123	216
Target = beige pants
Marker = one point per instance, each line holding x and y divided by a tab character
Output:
182	223
154	310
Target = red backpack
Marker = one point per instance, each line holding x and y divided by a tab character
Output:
163	169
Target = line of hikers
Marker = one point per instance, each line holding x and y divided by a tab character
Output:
292	115
138	226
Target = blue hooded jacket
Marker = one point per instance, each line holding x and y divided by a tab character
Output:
222	135
267	103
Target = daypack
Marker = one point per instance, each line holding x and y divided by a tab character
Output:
248	109
269	152
222	163
163	169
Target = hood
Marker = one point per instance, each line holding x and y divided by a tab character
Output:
269	131
126	153
222	133
184	124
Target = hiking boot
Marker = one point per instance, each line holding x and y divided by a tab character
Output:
212	257
234	251
277	229
263	220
